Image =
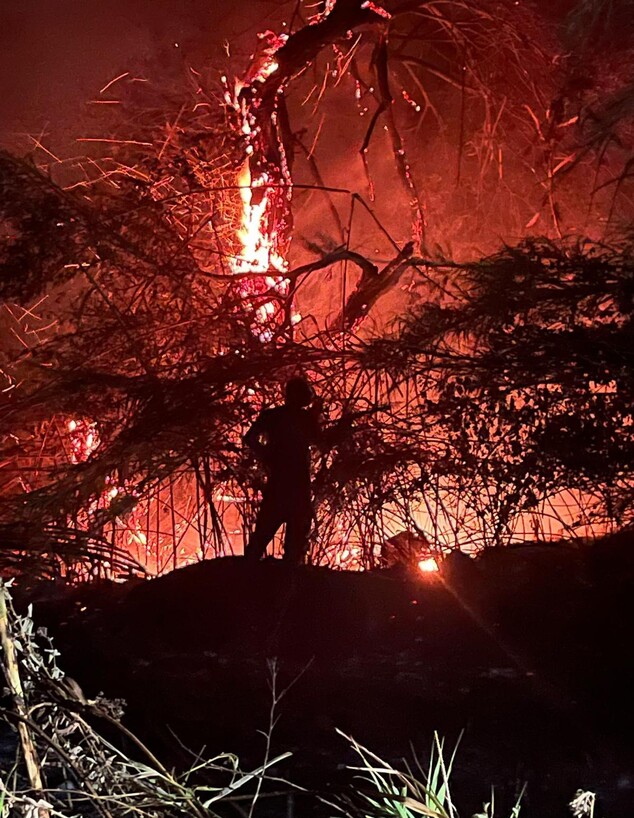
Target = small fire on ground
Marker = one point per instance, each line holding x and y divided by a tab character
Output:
409	549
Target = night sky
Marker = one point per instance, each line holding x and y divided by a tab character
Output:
55	55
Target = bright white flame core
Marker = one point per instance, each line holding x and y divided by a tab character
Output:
258	252
428	565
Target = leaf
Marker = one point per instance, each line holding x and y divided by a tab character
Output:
416	806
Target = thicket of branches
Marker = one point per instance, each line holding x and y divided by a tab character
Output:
502	392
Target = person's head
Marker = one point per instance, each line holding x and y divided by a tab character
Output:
298	393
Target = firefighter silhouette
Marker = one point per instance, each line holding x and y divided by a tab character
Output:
281	438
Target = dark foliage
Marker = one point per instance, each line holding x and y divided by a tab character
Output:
507	393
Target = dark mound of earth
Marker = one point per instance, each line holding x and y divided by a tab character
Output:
527	649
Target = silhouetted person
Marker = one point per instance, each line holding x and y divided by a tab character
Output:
281	439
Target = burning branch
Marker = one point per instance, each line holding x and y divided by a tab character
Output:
265	177
371	286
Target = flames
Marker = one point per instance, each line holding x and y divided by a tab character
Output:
83	439
259	253
265	186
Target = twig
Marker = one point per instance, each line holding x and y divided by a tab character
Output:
11	670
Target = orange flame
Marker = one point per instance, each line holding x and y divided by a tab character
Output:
258	253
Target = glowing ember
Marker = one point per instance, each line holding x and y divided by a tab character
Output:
84	439
428	566
379	10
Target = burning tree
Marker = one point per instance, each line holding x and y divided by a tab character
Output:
155	302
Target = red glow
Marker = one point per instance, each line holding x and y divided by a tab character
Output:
84	439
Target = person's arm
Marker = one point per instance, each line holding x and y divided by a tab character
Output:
253	438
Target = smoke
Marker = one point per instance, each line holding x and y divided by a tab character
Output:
55	56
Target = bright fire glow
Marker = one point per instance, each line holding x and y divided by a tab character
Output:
258	250
258	253
265	192
428	565
84	439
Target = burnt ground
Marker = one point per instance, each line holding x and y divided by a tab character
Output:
528	650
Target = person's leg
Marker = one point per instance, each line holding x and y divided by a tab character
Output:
269	519
298	521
